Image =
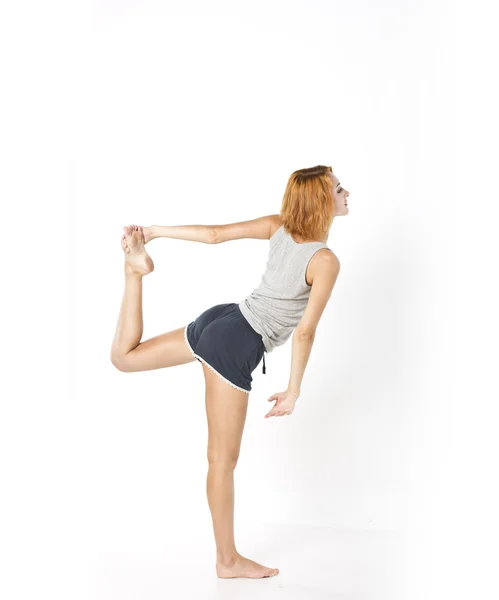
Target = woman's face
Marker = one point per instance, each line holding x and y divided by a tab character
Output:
340	195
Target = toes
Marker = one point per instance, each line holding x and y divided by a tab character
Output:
133	232
271	574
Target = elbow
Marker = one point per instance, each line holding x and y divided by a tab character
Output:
305	334
213	236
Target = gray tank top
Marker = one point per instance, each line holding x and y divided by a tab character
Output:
276	306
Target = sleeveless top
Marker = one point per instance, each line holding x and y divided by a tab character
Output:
276	306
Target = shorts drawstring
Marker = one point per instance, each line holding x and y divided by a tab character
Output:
263	370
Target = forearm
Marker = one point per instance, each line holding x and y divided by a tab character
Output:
300	353
191	233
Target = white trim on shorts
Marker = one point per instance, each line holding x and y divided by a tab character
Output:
208	364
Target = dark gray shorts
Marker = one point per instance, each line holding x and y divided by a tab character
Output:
222	338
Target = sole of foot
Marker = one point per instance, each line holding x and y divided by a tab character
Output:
244	567
137	261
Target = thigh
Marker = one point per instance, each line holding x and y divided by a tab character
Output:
165	350
168	349
226	409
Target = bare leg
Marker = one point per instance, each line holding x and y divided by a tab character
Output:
220	492
226	409
130	324
137	264
128	353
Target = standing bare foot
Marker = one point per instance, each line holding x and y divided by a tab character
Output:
137	261
244	567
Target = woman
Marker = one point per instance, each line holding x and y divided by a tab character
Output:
229	340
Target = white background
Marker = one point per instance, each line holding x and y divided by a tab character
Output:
178	113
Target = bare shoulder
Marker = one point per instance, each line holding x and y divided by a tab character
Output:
328	258
275	223
324	265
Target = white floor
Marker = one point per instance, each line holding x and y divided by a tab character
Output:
315	563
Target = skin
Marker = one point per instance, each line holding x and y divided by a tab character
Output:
340	195
226	407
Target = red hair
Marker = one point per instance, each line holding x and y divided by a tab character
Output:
307	208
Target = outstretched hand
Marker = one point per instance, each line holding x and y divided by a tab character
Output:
285	404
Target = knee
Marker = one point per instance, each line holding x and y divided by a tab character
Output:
223	460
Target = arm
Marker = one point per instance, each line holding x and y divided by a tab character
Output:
260	228
328	267
300	353
303	337
192	233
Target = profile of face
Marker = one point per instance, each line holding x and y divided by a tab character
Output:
340	195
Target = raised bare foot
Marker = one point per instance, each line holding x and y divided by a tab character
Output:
244	567
137	261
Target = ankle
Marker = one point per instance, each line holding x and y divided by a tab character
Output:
227	559
131	273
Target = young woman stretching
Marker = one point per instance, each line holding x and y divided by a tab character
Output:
229	340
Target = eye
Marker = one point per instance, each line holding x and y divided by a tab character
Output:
340	189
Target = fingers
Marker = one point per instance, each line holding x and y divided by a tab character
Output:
130	228
278	413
